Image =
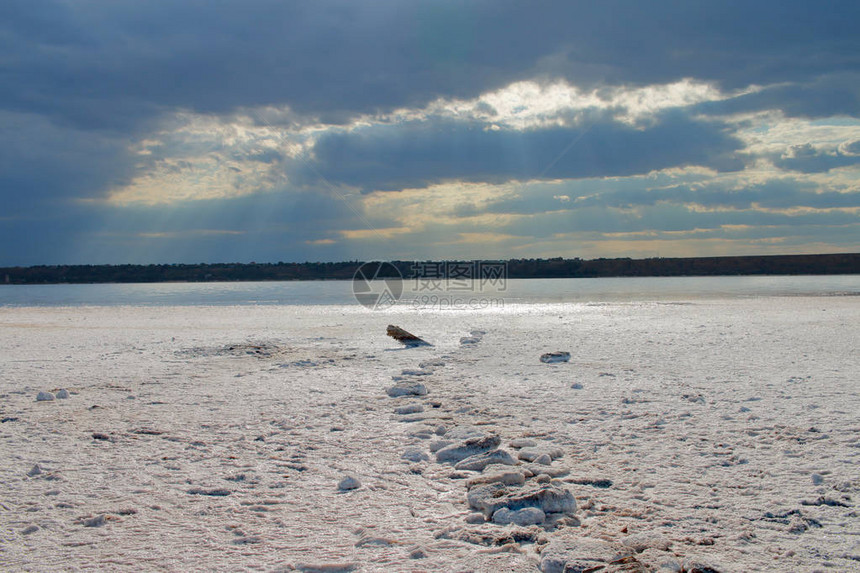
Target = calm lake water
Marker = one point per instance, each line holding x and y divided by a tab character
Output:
512	291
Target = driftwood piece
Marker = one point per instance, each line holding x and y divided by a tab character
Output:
551	357
404	337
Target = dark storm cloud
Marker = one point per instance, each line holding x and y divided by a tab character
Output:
420	153
101	64
44	237
268	227
824	96
44	166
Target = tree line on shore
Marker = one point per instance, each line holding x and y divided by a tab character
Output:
846	263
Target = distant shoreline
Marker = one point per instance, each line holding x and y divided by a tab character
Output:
772	265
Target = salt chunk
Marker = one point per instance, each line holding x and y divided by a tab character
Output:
375	540
96	521
437	445
529	454
537	469
349	483
480	461
575	553
410	409
475	518
414	455
510	477
551	357
418	553
532	454
415	372
523	443
548	498
460	451
406	389
525	516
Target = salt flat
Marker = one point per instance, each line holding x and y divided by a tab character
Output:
723	433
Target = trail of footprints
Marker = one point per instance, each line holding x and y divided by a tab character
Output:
512	490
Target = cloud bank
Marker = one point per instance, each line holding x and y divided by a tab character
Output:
192	132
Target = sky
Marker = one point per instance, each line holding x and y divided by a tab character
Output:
267	130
